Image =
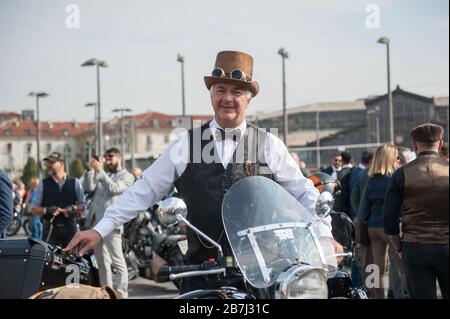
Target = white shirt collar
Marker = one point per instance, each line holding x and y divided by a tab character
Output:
213	125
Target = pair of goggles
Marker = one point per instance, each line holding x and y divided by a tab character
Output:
235	74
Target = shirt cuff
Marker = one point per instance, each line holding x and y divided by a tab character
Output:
104	227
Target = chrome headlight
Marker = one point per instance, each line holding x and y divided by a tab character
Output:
302	282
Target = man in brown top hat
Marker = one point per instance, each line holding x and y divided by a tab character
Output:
211	159
418	196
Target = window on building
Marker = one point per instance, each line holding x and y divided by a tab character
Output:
28	148
149	143
9	148
166	139
48	147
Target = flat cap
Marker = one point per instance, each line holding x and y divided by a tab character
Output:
55	157
427	133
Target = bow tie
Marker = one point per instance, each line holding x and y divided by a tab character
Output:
221	134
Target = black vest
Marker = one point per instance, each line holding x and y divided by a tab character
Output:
205	181
53	196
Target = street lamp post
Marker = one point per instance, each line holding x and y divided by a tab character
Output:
375	111
98	63
386	41
284	55
66	149
95	125
133	144
318	140
122	128
180	59
38	132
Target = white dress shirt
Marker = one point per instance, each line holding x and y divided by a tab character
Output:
157	180
334	175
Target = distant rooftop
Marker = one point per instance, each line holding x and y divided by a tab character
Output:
356	105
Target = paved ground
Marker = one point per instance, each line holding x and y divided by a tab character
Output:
141	288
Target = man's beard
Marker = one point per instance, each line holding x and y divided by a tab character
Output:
51	172
112	167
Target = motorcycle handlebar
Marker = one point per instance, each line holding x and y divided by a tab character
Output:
167	270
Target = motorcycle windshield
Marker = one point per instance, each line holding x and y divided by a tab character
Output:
267	230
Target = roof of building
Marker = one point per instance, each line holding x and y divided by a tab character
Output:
47	129
5	116
399	91
157	120
356	105
441	101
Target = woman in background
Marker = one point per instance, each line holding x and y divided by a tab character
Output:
383	166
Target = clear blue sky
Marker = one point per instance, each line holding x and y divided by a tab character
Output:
333	55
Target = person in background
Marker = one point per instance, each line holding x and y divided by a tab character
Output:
58	200
335	167
397	288
347	165
363	251
383	166
417	195
403	156
36	224
300	164
6	203
107	186
348	182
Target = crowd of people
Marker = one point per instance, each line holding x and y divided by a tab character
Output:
57	207
366	193
399	206
385	211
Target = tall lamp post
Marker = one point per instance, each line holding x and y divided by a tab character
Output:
98	64
180	59
94	105
122	128
374	112
386	41
38	132
284	55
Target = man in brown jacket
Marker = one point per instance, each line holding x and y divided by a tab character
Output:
418	194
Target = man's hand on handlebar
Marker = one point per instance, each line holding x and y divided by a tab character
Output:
83	242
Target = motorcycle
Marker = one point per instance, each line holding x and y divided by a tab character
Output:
19	219
274	241
147	247
340	284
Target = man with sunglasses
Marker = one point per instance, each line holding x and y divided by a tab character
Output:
107	186
335	167
205	162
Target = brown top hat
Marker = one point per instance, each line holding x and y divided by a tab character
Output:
427	133
229	61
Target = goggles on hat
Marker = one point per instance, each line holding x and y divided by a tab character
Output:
235	74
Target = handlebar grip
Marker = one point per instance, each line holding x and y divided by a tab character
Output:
167	270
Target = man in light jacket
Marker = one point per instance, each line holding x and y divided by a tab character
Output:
107	186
